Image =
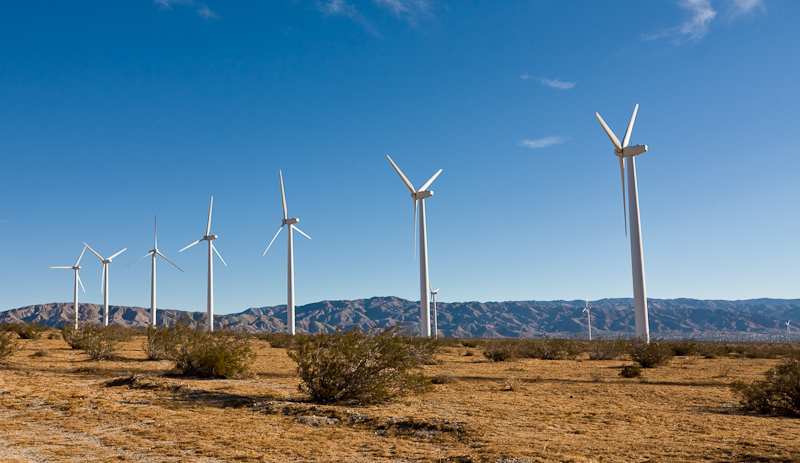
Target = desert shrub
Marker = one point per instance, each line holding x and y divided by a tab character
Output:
71	336
711	350
500	350
54	335
652	354
278	340
778	393
442	341
100	343
631	371
684	347
548	348
161	343
608	349
219	354
8	344
470	343
362	366
25	330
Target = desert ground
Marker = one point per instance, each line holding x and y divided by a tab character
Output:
56	405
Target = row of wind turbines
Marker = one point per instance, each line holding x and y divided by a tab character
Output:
622	150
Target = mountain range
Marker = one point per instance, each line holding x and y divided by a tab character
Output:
610	317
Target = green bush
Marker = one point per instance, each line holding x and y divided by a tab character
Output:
548	348
778	393
161	343
362	367
652	354
500	350
684	347
100	343
631	371
8	344
24	330
220	354
608	349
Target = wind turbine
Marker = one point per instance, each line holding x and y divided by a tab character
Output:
290	221
787	323
209	237
154	252
105	279
78	281
588	309
623	151
434	292
419	196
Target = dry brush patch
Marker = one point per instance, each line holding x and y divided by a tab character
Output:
62	407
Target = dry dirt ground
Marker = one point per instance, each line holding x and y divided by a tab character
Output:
55	405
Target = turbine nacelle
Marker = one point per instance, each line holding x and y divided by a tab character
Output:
290	221
630	151
422	194
210	237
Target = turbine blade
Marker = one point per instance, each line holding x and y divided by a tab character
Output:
95	252
415	229
62	267
137	260
155	232
624	210
405	180
428	183
115	255
283	196
294	227
208	226
80	282
80	257
218	255
273	240
436	291
165	258
610	134
102	277
630	127
187	247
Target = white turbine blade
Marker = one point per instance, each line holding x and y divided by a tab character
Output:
165	258
435	291
405	180
624	211
62	267
283	196
610	134
103	278
95	252
115	255
428	183
80	257
137	260
627	137
294	227
80	282
218	255
187	247
208	226
155	232
273	240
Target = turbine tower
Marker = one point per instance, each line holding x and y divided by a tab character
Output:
290	221
588	309
154	252
623	151
787	323
419	197
105	279
78	281
209	237
434	292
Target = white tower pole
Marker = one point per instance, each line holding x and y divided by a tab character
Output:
435	319
105	295
424	283
290	323
637	256
210	308
76	299
153	292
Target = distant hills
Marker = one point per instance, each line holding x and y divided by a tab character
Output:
610	317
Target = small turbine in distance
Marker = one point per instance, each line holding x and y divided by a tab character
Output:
623	151
787	323
434	292
291	222
209	237
588	309
105	279
154	252
78	281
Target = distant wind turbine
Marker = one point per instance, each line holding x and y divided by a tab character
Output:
209	237
434	292
78	281
419	197
290	221
588	309
154	252
105	279
623	151
787	323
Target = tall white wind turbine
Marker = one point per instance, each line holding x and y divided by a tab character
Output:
291	222
419	197
434	292
588	309
787	323
105	279
154	252
78	281
209	237
623	151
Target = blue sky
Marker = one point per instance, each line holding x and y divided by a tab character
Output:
114	112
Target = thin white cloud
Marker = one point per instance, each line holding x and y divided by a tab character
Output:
205	12
201	9
409	9
525	77
543	142
701	15
744	7
348	10
556	83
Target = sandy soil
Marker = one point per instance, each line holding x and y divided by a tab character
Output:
55	405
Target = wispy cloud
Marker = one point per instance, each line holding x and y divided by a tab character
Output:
407	10
701	15
543	142
343	8
744	7
556	83
200	8
525	77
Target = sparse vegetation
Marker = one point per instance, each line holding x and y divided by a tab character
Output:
778	393
607	349
652	354
8	344
499	350
24	330
547	348
362	366
631	371
684	347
